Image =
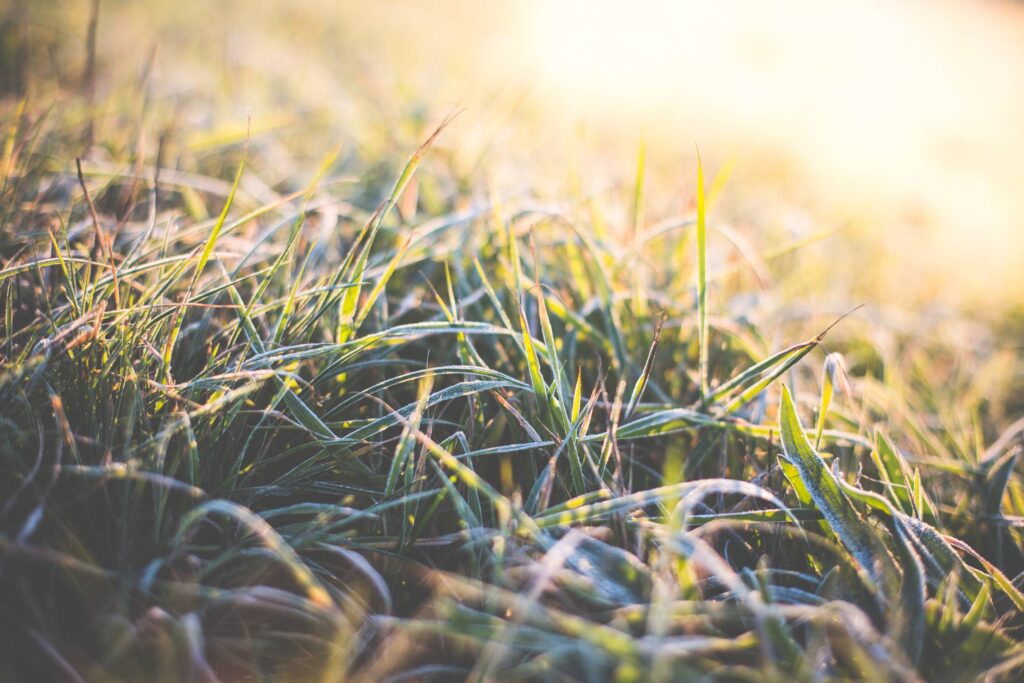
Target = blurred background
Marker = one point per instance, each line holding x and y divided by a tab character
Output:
884	137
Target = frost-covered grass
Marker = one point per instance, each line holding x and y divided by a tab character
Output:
354	423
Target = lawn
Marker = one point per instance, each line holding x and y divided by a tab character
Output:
310	394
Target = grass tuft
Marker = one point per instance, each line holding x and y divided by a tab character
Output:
274	414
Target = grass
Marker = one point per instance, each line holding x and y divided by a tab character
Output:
380	426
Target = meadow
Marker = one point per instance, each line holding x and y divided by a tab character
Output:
294	391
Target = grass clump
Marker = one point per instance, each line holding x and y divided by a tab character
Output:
342	427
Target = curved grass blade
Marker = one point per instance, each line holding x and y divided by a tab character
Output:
267	536
577	510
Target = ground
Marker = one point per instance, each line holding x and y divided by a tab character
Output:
306	374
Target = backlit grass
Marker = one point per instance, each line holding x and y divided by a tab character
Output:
373	420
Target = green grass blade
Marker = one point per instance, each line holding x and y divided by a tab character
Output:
829	498
702	282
